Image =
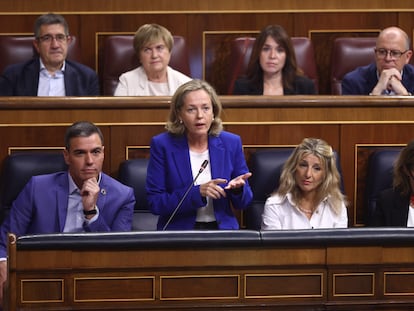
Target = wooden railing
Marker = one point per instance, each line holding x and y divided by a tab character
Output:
338	269
354	126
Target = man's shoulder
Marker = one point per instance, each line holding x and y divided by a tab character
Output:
409	69
23	66
112	182
52	178
360	71
72	65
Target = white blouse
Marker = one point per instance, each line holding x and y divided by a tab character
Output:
280	213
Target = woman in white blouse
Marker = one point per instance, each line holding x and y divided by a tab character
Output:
153	44
309	195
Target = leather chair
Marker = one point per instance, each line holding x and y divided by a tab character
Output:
18	168
348	54
266	167
133	173
19	49
241	49
379	177
119	56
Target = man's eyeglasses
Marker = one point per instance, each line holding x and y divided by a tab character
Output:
394	54
49	38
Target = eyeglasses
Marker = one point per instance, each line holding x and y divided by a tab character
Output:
394	54
60	38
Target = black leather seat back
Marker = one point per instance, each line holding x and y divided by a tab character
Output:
379	177
133	173
266	167
18	168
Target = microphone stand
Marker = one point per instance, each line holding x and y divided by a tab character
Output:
203	166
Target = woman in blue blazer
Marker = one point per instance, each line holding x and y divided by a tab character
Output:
197	172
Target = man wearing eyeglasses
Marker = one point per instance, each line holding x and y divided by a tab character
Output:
391	74
49	74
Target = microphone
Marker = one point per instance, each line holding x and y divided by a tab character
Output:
203	166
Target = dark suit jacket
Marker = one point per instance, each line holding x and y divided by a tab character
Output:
391	209
23	79
302	85
169	175
362	80
41	207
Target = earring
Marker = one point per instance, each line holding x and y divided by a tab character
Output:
181	121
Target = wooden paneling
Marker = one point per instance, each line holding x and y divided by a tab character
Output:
354	126
197	6
329	273
197	21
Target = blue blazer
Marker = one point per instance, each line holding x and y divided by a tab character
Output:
23	79
362	80
169	175
41	207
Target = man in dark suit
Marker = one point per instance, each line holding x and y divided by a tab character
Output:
391	74
81	199
49	74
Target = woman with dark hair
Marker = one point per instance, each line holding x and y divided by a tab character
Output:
395	206
272	68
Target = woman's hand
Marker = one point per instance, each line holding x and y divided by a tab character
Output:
238	182
212	189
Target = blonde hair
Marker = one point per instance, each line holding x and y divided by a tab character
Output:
174	125
330	186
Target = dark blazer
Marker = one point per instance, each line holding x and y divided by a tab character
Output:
302	85
391	209
23	79
362	80
169	175
41	207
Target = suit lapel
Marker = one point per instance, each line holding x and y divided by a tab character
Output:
103	185
216	151
62	193
181	158
31	80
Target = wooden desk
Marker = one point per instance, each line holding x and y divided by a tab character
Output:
353	125
340	269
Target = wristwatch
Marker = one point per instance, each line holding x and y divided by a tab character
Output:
93	211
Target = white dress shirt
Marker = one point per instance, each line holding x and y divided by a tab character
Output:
135	83
75	219
281	213
204	213
51	85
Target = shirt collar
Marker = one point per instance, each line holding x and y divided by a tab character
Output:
43	67
290	199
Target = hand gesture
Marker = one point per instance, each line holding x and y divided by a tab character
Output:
390	80
89	193
238	182
212	189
